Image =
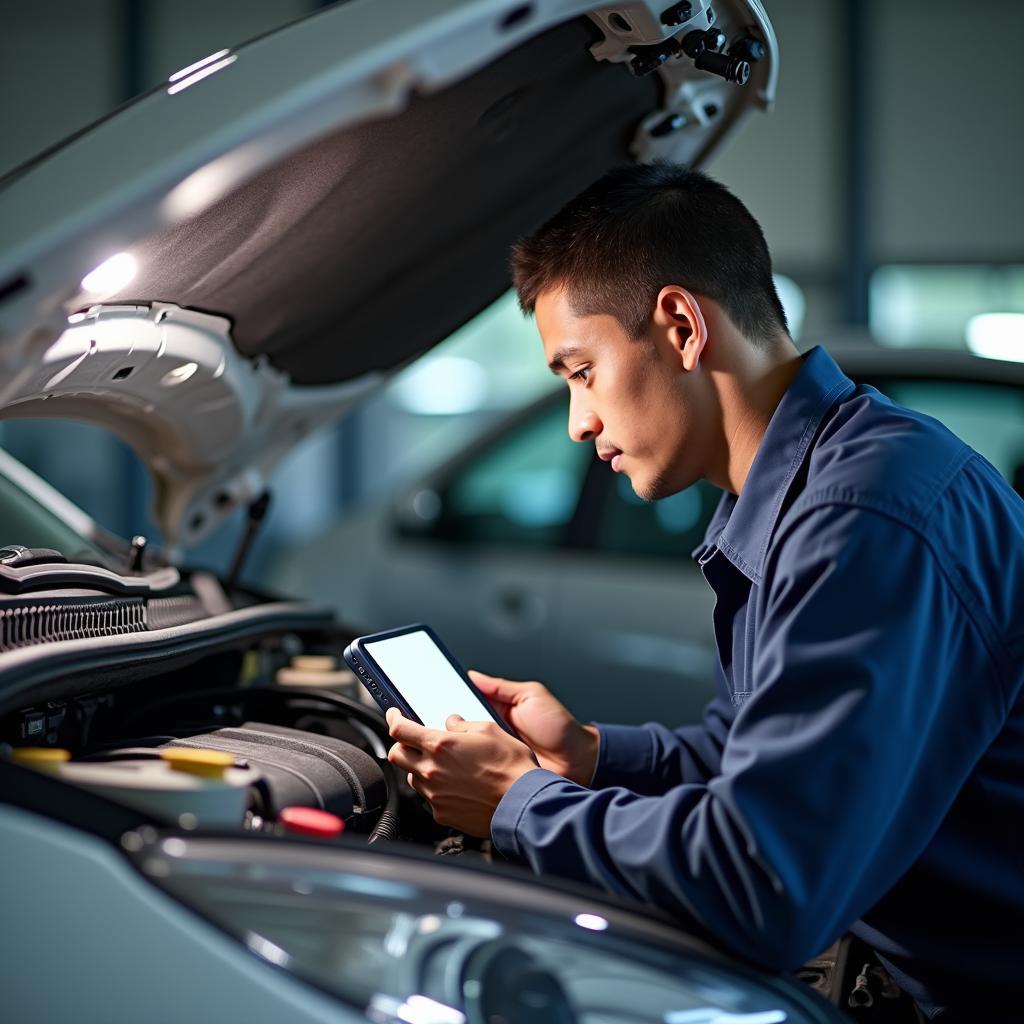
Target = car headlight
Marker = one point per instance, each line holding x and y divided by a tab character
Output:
411	939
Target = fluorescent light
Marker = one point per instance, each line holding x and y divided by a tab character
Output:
110	276
202	73
591	921
997	336
185	72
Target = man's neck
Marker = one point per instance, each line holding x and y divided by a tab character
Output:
749	393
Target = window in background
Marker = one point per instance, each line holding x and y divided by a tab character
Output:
794	303
979	307
521	490
89	465
989	417
490	366
669	528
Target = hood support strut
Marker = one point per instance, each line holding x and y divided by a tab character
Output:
256	513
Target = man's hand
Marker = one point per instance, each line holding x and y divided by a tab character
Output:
561	743
464	772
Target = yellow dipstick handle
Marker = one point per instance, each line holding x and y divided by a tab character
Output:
210	764
42	758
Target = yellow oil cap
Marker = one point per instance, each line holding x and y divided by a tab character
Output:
210	764
42	758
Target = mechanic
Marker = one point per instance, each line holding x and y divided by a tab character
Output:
862	767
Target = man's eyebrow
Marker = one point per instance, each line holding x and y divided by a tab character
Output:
558	359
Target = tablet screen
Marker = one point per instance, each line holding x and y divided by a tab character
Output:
426	679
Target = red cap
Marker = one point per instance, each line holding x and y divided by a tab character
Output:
308	821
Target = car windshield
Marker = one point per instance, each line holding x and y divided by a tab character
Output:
26	518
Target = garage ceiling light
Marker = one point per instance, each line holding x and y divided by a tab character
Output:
997	336
204	71
185	72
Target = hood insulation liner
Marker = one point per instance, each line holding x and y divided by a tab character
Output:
366	248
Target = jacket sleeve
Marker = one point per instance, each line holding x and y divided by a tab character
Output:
651	758
874	695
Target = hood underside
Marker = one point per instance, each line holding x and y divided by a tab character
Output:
395	233
334	200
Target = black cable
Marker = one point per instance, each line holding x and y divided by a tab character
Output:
387	821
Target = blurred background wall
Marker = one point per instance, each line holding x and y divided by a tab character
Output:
888	182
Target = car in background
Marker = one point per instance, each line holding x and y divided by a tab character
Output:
534	561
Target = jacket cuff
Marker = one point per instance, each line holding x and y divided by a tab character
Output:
508	813
626	753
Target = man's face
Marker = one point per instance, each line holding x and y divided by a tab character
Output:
631	398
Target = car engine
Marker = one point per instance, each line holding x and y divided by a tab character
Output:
241	718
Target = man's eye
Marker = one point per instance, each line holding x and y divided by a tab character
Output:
581	374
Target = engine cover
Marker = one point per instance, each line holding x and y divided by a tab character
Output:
301	767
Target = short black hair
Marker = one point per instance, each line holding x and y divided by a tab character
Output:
641	227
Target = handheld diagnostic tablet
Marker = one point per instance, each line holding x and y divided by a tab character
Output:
412	670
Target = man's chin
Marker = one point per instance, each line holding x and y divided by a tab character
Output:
649	490
656	488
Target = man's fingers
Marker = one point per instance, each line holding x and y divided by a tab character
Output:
405	731
456	723
405	757
491	686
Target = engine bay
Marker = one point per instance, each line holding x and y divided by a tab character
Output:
260	727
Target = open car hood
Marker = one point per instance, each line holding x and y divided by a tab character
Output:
319	207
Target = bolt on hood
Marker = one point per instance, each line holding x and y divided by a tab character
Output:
312	211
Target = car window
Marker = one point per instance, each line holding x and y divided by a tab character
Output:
989	417
669	528
24	521
522	489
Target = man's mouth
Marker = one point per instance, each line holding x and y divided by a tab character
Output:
612	455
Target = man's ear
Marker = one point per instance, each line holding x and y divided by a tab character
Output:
678	312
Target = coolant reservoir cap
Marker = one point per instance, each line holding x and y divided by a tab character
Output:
210	764
308	821
42	758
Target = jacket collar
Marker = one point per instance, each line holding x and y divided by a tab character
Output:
742	525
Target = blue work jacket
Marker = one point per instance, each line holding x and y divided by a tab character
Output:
862	766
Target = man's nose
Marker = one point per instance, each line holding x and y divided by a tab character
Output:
584	424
